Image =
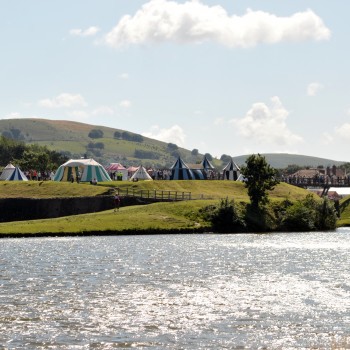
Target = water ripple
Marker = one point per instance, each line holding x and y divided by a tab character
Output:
278	291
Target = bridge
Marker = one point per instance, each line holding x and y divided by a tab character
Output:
322	182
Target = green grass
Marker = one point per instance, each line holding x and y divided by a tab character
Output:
48	189
161	217
179	216
63	135
344	212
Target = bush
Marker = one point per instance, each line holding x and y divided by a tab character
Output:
225	217
260	219
99	145
96	134
310	214
117	135
141	154
299	217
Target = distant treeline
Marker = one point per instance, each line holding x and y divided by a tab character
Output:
29	156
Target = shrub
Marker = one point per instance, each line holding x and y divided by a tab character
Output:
96	134
299	217
225	217
310	214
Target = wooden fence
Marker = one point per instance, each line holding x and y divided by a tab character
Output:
157	195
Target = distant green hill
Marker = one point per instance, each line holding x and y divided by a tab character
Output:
282	160
108	145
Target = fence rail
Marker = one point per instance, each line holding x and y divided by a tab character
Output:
317	181
158	195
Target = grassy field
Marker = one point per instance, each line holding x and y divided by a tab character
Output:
172	217
345	212
69	136
48	189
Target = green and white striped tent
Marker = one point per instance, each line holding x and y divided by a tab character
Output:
88	169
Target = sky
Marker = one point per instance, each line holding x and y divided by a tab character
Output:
224	77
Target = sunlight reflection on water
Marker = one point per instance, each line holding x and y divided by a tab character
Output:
183	291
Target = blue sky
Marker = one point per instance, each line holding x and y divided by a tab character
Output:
225	77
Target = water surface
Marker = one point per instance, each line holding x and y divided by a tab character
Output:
275	291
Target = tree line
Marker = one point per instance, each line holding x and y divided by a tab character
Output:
27	156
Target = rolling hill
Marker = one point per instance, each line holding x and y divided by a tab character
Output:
107	144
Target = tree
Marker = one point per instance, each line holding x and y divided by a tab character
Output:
96	134
209	156
195	152
260	178
117	135
172	147
225	158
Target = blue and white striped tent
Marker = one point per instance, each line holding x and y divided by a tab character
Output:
12	173
180	171
207	164
88	169
231	171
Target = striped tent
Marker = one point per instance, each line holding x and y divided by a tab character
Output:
12	173
180	171
140	174
86	169
231	171
199	174
207	164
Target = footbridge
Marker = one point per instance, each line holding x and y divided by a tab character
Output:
324	183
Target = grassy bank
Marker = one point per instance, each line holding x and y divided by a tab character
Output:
48	189
344	212
158	217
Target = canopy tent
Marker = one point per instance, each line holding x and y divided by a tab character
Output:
117	168
180	171
231	171
140	174
86	169
12	173
207	164
199	174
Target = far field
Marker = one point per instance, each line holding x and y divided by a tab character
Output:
178	217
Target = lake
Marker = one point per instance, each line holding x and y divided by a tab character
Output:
210	291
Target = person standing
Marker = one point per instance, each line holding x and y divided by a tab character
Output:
116	202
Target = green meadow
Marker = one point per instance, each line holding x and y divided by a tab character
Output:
162	217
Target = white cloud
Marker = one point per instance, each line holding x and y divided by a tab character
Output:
194	22
91	31
327	138
124	76
343	131
78	115
103	110
267	125
64	100
125	104
13	115
313	89
219	121
174	134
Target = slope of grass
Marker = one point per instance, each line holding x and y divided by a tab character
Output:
344	212
69	136
213	189
179	216
48	189
165	217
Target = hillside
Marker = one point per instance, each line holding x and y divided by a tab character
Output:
108	145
